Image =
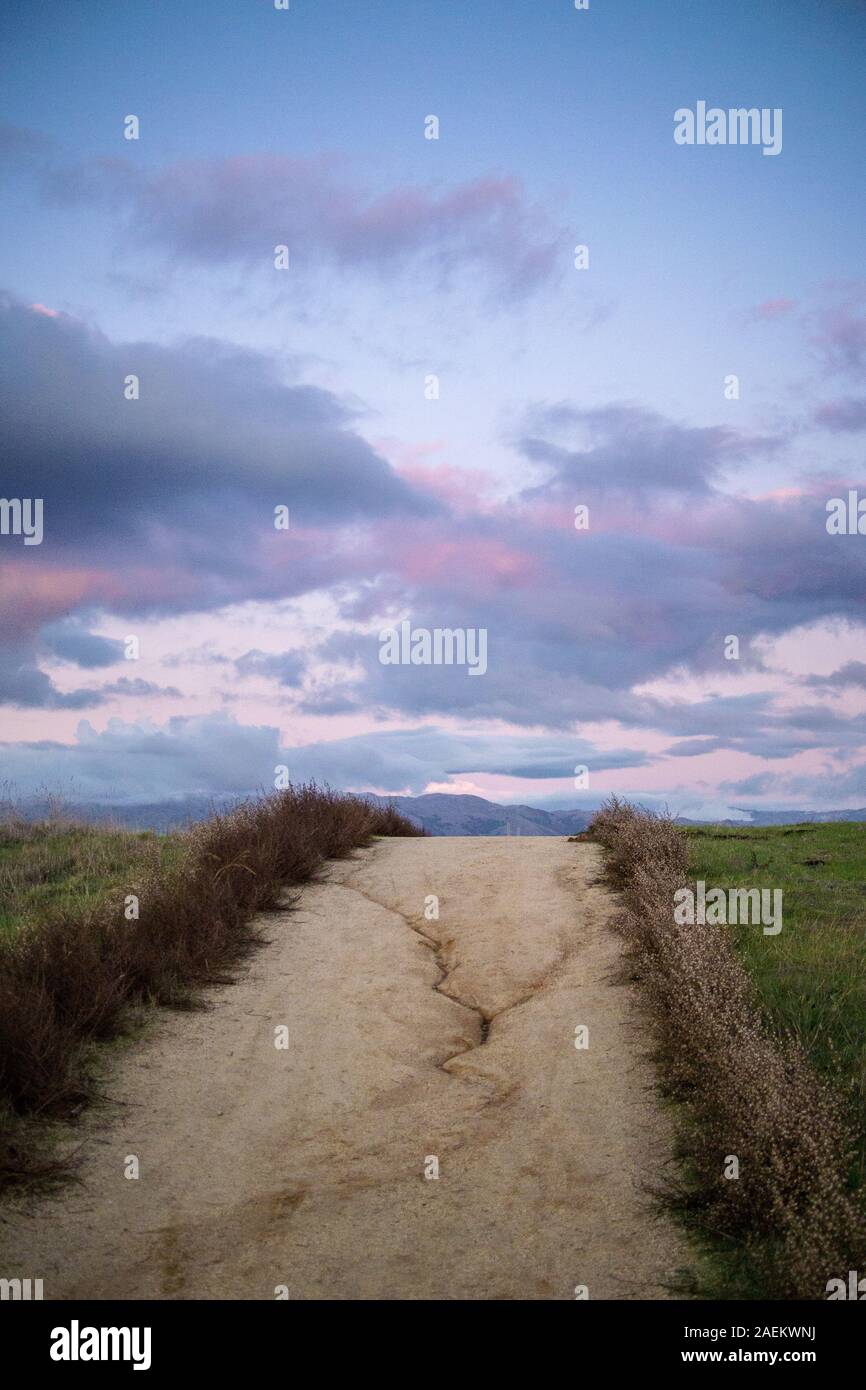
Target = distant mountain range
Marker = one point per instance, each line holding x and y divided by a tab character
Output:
442	813
439	813
794	817
445	814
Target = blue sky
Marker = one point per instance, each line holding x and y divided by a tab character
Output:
557	386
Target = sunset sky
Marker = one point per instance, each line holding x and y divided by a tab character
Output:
308	388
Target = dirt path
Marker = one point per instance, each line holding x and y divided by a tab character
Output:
410	1039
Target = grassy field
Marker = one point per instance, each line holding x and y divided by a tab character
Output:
811	977
53	866
75	970
758	1041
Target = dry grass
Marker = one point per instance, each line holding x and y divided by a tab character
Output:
811	978
790	1222
68	979
49	866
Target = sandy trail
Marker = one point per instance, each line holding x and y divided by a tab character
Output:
409	1039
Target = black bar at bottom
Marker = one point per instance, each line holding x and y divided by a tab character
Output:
222	1338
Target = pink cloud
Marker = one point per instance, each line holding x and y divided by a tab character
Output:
484	562
33	596
460	489
771	309
227	209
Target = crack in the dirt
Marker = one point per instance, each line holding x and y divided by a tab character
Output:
484	1020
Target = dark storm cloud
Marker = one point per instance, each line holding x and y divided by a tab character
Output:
183	483
214	442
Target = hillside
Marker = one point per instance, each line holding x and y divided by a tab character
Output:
441	813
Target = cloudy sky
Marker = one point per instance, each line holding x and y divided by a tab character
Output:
450	504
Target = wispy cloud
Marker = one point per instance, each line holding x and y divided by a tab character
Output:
236	210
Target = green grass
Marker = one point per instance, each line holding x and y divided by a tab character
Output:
811	978
50	866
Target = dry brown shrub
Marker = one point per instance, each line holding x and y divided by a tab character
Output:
746	1092
68	981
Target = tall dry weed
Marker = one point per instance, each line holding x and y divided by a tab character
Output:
68	981
790	1214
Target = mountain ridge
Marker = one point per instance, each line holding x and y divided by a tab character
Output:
439	813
